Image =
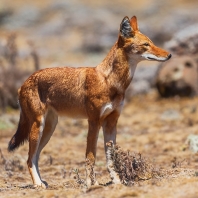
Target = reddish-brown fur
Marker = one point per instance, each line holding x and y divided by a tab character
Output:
96	94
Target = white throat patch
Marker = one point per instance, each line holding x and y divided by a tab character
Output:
106	109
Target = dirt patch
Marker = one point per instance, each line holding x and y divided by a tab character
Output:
155	128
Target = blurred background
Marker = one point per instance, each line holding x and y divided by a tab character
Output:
48	33
160	115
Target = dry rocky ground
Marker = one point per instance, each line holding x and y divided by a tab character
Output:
156	128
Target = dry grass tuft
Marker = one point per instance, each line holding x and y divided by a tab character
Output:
10	166
79	180
130	167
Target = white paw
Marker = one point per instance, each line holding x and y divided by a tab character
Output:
89	183
116	180
41	185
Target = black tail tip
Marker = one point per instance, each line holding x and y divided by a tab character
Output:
11	145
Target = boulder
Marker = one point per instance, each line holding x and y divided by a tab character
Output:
178	77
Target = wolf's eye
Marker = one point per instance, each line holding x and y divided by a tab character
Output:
146	44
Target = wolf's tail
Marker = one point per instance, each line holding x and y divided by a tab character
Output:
21	134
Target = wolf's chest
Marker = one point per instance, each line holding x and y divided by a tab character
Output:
110	107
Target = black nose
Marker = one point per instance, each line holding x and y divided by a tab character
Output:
169	56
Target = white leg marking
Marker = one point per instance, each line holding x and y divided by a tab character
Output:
113	174
35	170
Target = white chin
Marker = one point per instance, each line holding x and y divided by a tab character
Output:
153	57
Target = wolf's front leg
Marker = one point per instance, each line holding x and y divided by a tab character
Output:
92	138
110	131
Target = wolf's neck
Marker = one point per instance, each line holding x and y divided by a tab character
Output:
117	68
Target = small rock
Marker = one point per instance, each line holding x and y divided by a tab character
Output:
192	142
170	115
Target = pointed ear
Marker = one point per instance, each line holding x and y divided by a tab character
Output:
125	28
134	24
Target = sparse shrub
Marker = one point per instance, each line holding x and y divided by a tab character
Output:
2	158
10	165
13	165
11	74
79	180
130	167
